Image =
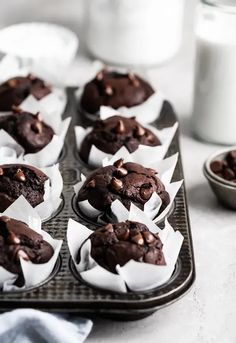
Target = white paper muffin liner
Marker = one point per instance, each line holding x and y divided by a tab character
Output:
145	113
52	187
51	152
141	155
165	169
34	274
135	276
53	103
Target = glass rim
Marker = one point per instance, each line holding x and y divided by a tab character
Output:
229	8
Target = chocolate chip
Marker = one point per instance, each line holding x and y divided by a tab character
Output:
109	227
39	116
100	75
12	83
150	137
216	166
20	176
148	236
91	184
23	255
120	128
231	158
140	131
122	172
37	127
122	234
1	172
138	239
31	77
228	174
108	90
116	184
134	79
119	163
12	238
16	109
152	171
5	219
145	192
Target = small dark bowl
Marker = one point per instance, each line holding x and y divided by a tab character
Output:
224	190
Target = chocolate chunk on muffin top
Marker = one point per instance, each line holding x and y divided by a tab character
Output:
21	179
18	240
111	134
110	88
27	129
119	243
15	90
127	182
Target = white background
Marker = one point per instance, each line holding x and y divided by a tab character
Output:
207	313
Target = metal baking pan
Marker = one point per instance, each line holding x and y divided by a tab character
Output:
65	291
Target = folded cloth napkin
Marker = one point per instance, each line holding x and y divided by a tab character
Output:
33	326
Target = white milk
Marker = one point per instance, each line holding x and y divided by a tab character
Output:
134	32
214	115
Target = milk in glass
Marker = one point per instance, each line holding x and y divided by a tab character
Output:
214	113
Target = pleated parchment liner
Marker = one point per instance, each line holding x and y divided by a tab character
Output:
141	155
52	187
133	276
34	274
165	169
145	113
53	103
51	152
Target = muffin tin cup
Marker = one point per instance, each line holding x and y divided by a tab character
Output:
65	293
56	269
105	218
146	112
78	276
141	155
32	273
133	275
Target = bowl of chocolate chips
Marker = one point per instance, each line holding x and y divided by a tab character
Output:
220	171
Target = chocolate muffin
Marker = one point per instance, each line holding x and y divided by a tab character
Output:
21	179
110	88
119	243
18	240
127	182
111	134
15	90
27	129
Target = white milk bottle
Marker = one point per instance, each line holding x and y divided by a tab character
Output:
214	112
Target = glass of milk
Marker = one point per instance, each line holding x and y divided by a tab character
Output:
214	112
134	32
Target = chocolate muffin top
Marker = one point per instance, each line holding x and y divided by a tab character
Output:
111	134
16	89
21	179
27	129
18	240
114	89
119	243
127	182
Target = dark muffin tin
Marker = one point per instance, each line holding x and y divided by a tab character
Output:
64	291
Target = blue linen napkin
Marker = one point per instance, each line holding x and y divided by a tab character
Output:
33	326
